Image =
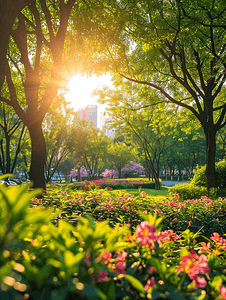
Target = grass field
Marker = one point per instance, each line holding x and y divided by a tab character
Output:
151	192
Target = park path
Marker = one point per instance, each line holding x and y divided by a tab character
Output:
171	183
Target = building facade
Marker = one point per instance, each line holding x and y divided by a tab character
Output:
89	113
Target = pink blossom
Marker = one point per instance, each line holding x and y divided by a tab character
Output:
143	194
176	196
146	234
200	282
149	284
106	255
216	238
223	291
205	247
120	268
121	256
103	276
192	264
152	270
169	235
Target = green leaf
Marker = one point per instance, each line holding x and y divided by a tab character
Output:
60	294
91	291
135	283
106	290
174	294
72	260
216	282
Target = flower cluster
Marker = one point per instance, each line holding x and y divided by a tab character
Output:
117	265
193	265
146	234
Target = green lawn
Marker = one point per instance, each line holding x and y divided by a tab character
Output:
151	192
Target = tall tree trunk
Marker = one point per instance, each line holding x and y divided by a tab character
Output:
9	9
8	160
210	158
38	155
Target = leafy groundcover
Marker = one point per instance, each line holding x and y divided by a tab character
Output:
107	244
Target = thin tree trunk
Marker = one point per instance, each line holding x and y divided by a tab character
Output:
210	159
79	174
18	149
38	155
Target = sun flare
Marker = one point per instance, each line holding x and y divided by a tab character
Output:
80	89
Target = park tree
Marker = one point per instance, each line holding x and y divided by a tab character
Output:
88	146
178	49
47	40
12	135
151	128
119	156
56	127
9	10
36	40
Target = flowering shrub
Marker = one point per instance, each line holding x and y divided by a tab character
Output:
128	171
94	260
203	214
83	172
116	184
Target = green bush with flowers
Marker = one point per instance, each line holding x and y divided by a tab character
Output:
43	256
197	187
114	184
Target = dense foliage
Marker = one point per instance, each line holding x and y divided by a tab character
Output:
114	184
92	260
197	187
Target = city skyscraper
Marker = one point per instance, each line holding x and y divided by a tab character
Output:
89	113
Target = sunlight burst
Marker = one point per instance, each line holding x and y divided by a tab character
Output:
80	89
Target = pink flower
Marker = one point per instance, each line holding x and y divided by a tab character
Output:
106	255
176	196
216	238
146	234
192	264
149	284
200	282
121	256
103	276
223	291
143	194
152	270
120	268
205	247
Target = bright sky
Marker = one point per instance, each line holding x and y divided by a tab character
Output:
81	88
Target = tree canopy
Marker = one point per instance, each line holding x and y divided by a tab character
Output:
178	49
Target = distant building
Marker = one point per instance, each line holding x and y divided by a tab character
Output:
105	126
89	113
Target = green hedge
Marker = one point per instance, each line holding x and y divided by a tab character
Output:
197	187
190	191
199	178
124	184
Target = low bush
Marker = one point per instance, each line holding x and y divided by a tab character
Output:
94	261
192	191
121	207
199	178
115	184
